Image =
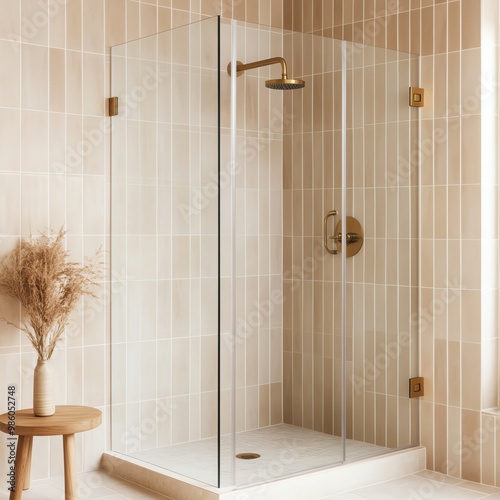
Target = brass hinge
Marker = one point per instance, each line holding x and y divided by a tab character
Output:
417	96
113	106
416	387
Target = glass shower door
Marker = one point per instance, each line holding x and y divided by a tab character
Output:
165	241
381	182
288	363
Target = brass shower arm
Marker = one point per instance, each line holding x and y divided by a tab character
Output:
283	83
240	67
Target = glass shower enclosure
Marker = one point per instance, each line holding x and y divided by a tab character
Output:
246	344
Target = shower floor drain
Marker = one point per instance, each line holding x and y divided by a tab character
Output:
247	456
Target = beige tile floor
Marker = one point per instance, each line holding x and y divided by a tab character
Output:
420	486
90	485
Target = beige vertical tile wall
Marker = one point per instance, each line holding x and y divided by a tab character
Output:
457	41
459	346
54	170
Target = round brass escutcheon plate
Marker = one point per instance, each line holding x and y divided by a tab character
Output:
239	72
354	236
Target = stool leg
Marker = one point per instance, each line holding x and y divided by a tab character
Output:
69	467
27	477
22	452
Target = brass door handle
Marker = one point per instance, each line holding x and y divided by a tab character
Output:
333	251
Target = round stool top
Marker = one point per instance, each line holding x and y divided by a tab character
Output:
66	420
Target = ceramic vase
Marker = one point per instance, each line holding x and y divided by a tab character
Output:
43	392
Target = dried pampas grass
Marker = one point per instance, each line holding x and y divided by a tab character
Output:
48	287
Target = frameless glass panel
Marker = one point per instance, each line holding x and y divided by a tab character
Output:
165	240
287	292
381	281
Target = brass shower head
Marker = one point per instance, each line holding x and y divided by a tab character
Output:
283	83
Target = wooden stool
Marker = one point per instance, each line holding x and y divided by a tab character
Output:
66	421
